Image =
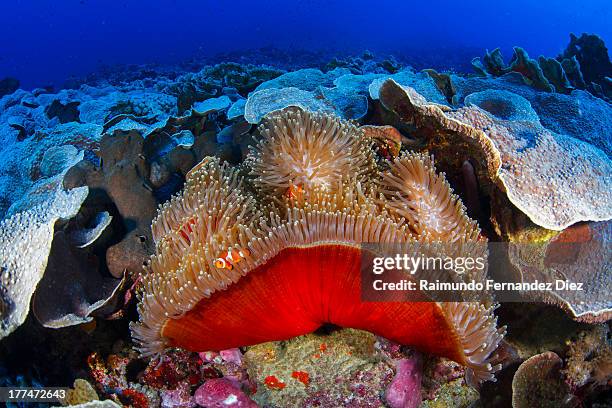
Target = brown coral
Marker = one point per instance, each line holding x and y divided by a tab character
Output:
538	383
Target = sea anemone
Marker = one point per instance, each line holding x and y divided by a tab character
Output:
413	191
302	151
225	276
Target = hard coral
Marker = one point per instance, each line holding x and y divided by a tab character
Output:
81	393
580	254
538	383
592	60
73	288
584	64
122	177
579	114
219	263
550	177
210	81
589	361
25	243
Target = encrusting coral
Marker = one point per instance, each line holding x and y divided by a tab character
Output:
219	277
538	382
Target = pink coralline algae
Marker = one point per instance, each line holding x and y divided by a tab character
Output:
221	393
231	356
208	356
405	389
178	398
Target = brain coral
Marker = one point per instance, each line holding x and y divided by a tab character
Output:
554	179
25	242
232	269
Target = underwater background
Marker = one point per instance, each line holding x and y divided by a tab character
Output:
46	42
191	193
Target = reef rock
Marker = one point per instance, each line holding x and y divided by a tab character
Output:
341	369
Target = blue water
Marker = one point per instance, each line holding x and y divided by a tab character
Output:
46	41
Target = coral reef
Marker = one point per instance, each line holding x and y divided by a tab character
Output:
80	393
220	393
579	114
267	179
584	64
344	368
122	175
8	86
405	388
592	62
73	287
589	360
212	81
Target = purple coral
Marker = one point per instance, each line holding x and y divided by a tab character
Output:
405	389
221	393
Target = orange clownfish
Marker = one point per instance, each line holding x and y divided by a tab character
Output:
232	256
